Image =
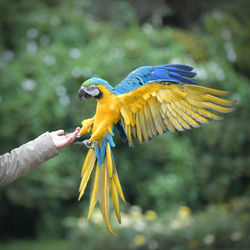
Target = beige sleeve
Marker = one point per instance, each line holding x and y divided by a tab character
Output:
29	155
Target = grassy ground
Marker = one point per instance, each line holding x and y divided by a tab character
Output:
36	245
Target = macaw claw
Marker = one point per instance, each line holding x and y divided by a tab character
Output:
85	143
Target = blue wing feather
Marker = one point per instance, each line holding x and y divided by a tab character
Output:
169	72
182	72
181	79
180	66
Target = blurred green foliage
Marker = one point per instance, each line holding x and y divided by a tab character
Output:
48	48
216	227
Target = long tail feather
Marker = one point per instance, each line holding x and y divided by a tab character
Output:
114	196
104	196
105	181
118	186
95	185
86	174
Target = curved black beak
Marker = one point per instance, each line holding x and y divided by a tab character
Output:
89	91
82	93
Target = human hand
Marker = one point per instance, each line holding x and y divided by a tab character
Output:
60	140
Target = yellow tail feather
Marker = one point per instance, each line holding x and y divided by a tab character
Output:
86	162
114	196
95	185
118	185
85	176
104	196
105	181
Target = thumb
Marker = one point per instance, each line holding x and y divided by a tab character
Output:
59	132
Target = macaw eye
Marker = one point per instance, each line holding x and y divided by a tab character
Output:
91	87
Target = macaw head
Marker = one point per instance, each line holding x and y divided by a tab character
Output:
91	88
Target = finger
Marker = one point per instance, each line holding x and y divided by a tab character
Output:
77	130
73	137
70	139
74	134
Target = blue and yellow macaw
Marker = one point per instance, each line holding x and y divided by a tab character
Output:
151	100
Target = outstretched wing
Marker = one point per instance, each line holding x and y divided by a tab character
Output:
145	74
156	107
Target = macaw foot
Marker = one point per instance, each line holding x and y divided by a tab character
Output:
85	143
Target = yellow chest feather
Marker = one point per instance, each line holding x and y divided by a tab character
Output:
107	110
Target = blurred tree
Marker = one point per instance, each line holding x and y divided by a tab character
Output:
48	48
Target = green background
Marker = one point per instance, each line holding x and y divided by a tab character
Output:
186	190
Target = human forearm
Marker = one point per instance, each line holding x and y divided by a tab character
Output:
22	159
